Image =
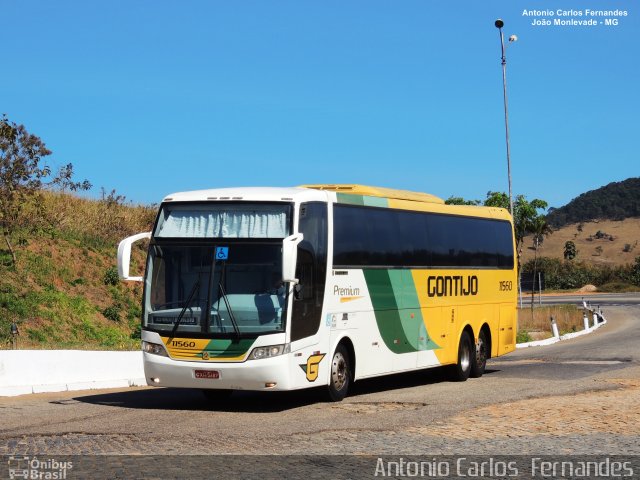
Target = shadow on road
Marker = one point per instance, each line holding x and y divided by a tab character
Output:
258	402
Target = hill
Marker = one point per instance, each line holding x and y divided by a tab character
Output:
604	242
64	290
615	201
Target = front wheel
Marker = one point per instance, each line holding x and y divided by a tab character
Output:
461	371
340	375
482	353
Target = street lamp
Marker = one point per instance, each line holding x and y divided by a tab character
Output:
499	24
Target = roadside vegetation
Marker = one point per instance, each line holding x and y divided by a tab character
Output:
569	318
562	275
58	277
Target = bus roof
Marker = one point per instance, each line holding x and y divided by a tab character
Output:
405	200
271	194
378	192
345	193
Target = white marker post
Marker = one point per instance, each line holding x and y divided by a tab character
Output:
554	328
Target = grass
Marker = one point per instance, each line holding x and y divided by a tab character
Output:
65	279
621	250
538	326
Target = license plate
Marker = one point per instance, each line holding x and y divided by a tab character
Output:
207	374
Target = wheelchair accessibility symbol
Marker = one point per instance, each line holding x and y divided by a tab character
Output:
222	253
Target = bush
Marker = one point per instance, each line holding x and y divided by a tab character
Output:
523	337
112	313
111	276
564	275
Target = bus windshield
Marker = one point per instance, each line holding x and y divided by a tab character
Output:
215	289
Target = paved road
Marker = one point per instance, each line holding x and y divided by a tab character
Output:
580	396
597	299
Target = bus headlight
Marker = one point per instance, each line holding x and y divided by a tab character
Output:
270	351
154	349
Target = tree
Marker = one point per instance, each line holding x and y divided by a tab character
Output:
461	201
540	228
570	250
526	218
635	272
22	176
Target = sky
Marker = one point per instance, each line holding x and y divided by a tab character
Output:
151	97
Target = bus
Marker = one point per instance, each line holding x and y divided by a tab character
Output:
271	289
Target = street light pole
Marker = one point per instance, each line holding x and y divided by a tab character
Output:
499	24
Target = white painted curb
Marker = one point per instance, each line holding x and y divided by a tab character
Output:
37	371
567	336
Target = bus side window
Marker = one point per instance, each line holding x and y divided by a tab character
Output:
311	270
304	273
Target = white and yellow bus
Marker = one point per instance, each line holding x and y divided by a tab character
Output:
321	285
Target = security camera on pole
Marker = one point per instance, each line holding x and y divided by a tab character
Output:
499	24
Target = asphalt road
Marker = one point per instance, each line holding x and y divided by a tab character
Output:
579	396
594	299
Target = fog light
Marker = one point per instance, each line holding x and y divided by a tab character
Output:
155	380
270	384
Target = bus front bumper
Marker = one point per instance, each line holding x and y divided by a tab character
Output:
260	375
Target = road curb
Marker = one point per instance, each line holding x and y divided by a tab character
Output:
566	336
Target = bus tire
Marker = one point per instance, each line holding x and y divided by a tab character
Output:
216	395
339	374
461	370
478	366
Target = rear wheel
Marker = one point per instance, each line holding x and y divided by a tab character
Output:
482	353
340	375
461	371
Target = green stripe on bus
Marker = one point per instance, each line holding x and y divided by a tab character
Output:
397	311
224	348
386	311
411	318
349	199
375	202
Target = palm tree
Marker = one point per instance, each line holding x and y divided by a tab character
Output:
540	229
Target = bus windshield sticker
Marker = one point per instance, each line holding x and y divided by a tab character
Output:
222	253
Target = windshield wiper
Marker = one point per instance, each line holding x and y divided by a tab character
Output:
231	316
184	309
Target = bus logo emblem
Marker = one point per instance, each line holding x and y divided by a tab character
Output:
312	367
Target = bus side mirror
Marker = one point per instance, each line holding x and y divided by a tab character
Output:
124	255
290	257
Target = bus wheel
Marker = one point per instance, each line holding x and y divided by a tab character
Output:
478	366
461	371
216	395
340	377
